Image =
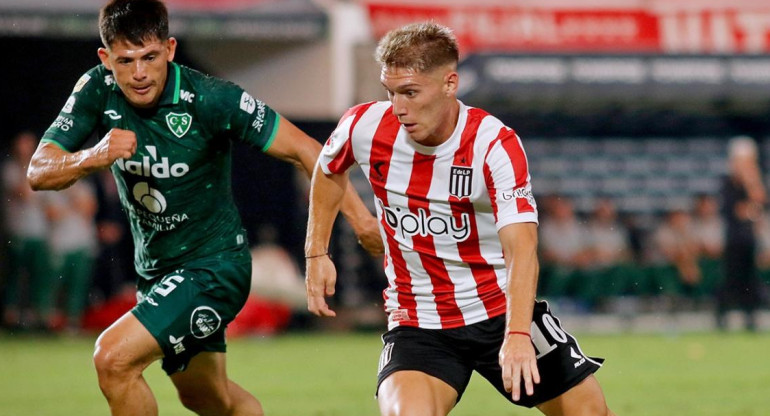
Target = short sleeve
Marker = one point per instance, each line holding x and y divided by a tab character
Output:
508	181
245	117
337	153
80	114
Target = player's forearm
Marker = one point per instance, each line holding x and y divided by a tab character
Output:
52	168
523	269
294	146
326	195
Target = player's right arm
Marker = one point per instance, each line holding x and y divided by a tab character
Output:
53	168
60	159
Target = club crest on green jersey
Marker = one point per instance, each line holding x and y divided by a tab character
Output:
179	124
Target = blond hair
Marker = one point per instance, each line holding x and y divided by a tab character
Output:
418	46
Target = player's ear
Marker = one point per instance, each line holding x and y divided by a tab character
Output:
171	45
450	83
104	56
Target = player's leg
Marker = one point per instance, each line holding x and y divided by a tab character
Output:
585	399
122	353
415	393
422	371
205	389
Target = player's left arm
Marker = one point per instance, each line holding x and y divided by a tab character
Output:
293	145
517	354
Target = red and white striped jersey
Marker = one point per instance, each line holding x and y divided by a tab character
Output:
440	209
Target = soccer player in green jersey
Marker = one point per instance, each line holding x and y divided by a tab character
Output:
167	133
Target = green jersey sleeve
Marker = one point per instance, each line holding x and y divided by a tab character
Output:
245	118
81	112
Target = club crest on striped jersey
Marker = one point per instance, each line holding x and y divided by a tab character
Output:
460	179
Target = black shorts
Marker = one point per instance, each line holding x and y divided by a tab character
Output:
452	355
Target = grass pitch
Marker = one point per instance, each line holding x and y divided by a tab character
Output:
334	375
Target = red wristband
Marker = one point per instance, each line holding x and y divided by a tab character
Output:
526	334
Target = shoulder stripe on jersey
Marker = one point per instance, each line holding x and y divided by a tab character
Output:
488	179
470	251
512	145
443	288
345	158
379	161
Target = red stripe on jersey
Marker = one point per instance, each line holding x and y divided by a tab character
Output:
470	251
443	288
488	179
344	159
379	167
512	146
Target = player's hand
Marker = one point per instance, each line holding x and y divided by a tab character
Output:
370	239
116	144
320	278
519	363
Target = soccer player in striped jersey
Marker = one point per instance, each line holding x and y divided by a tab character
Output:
167	135
459	223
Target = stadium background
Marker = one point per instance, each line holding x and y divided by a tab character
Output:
633	100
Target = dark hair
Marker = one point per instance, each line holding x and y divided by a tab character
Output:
418	46
134	21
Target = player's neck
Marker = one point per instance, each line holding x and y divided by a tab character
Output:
447	128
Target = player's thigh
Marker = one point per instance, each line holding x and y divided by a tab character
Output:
421	371
585	399
126	343
188	311
412	392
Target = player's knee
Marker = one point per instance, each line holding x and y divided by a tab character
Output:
402	409
205	404
408	408
110	363
595	406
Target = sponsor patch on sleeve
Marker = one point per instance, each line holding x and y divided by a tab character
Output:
334	142
81	83
69	104
248	103
518	193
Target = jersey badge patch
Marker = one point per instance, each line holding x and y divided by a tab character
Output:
460	181
179	124
81	83
248	103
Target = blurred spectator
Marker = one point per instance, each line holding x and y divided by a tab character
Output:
27	301
763	244
708	226
709	230
275	274
72	239
565	252
608	239
674	257
743	196
277	288
612	272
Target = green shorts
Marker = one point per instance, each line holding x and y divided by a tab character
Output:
188	310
